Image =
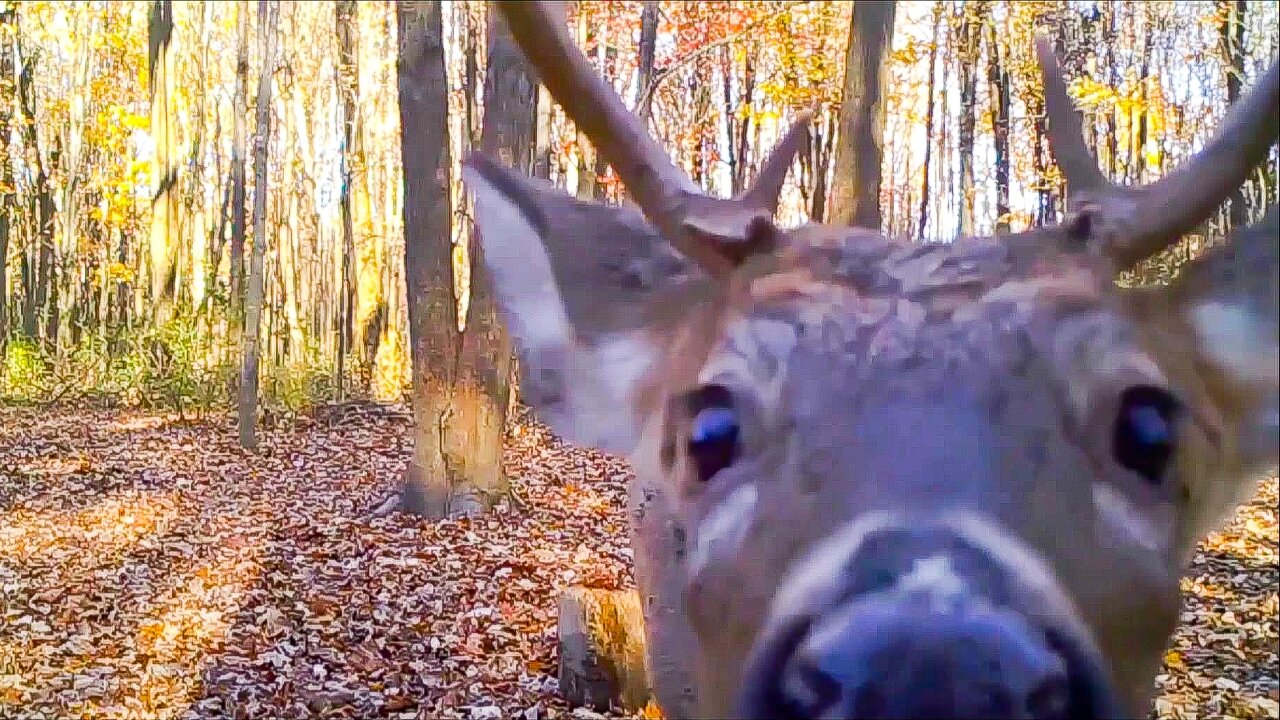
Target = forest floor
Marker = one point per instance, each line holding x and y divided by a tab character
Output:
149	568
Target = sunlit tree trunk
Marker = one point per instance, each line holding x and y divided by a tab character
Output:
586	187
8	193
928	121
268	11
347	76
644	58
480	390
968	31
39	276
748	93
67	317
239	133
542	135
164	200
1231	43
606	60
998	82
855	190
428	258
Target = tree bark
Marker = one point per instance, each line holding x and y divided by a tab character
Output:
928	121
1231	43
40	278
748	93
268	11
644	59
998	82
164	199
968	31
542	135
435	342
586	187
479	395
8	194
855	191
347	76
606	58
239	133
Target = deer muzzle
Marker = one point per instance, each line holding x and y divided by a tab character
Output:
921	621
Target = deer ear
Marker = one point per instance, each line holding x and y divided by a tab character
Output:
576	284
1230	297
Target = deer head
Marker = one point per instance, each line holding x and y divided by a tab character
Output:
946	480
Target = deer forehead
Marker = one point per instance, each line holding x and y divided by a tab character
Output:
865	304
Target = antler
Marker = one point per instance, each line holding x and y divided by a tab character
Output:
714	232
1137	222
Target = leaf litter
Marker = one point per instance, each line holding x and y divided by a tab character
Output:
150	568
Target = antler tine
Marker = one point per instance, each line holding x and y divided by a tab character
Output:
764	192
1063	126
1141	221
697	225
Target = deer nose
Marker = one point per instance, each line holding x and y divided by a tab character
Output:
888	661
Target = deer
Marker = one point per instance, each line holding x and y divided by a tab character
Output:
876	478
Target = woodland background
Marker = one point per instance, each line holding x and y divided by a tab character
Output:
203	215
203	204
127	182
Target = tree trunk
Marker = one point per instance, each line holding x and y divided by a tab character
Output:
1231	43
586	187
542	137
428	258
602	650
748	92
855	191
347	75
928	122
998	81
644	59
470	76
8	194
268	11
968	31
40	275
479	394
239	221
729	111
606	57
164	199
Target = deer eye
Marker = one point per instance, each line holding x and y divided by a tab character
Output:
714	432
1143	440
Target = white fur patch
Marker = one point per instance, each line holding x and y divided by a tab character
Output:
1240	341
818	572
1149	529
623	361
936	577
724	527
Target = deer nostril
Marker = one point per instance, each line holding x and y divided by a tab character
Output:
1050	700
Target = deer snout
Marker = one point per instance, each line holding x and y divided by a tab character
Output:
921	622
890	660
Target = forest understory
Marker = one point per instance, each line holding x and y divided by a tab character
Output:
153	569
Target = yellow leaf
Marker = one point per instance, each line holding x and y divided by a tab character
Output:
651	711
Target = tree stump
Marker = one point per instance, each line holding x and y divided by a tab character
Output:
602	653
